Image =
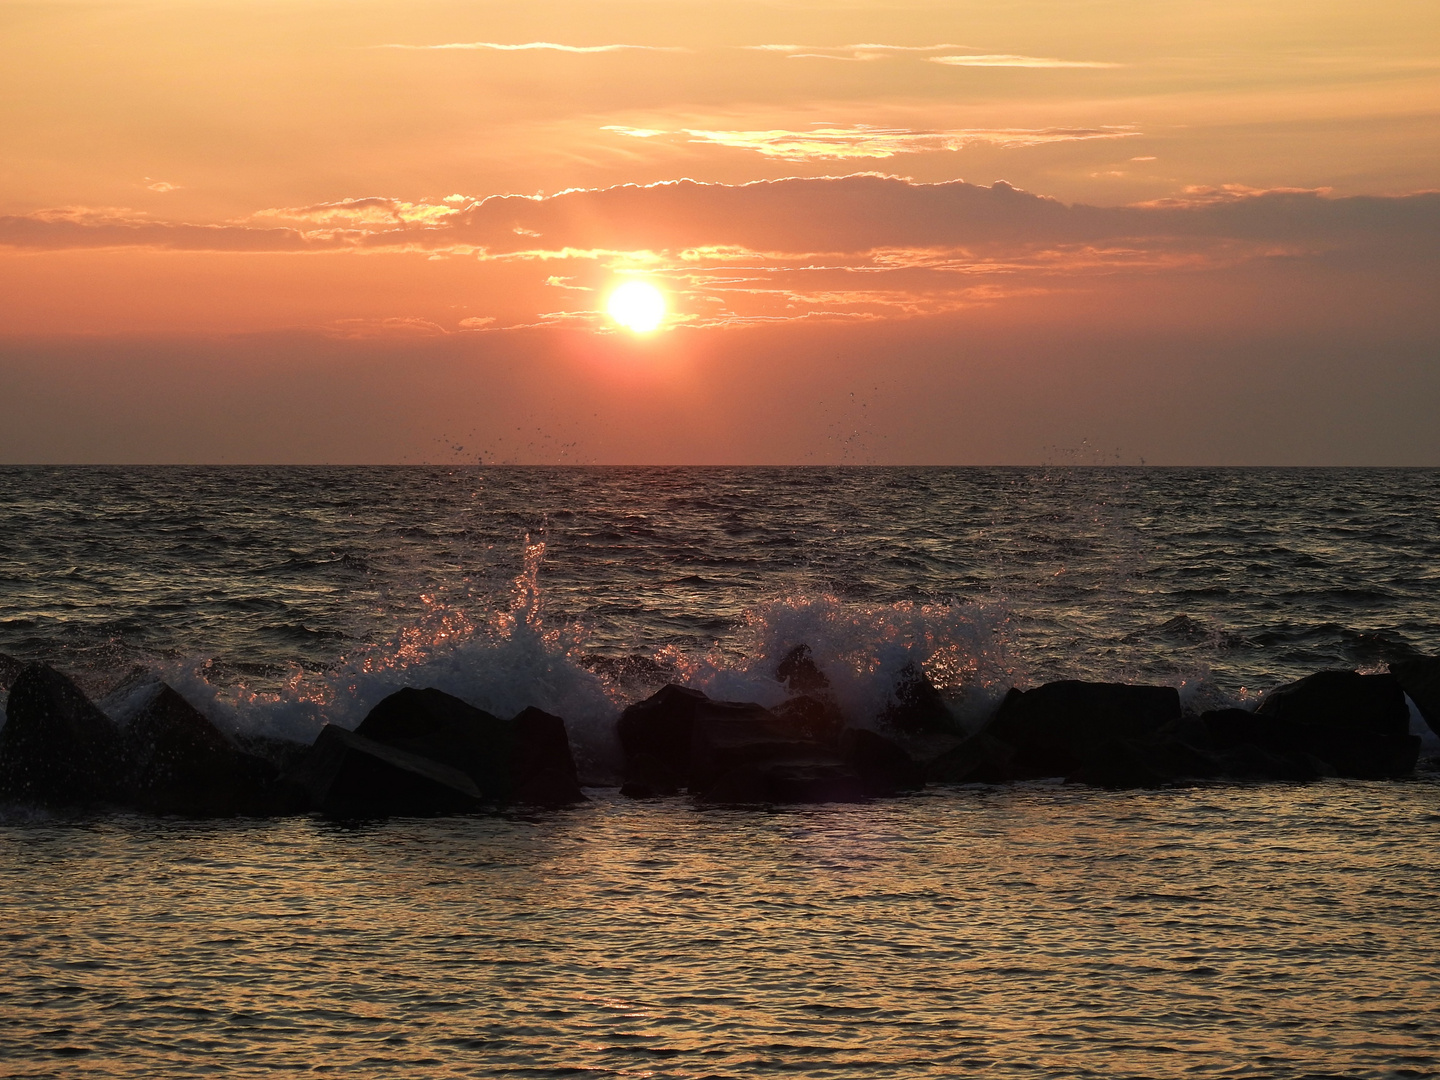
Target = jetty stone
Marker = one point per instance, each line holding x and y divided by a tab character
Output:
57	748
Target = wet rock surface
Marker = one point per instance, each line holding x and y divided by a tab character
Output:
178	762
57	748
422	751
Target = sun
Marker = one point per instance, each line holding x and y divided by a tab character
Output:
638	306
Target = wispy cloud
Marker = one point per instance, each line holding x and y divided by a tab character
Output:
862	52
863	141
533	46
371	211
1008	60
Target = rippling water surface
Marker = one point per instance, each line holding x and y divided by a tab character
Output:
1047	930
1269	932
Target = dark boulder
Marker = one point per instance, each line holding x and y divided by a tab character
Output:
726	735
57	748
799	780
1341	701
525	759
816	718
346	774
1118	763
1246	761
918	706
1229	728
10	669
181	763
735	751
1358	724
542	768
1055	728
647	777
679	737
882	764
1420	678
980	759
658	730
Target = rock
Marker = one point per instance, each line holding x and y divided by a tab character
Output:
348	775
10	669
918	705
57	748
542	769
284	754
882	764
817	718
1247	761
798	671
980	759
726	735
1420	679
1230	728
1117	763
1180	760
1359	724
180	763
658	730
525	759
1054	727
647	777
818	780
681	736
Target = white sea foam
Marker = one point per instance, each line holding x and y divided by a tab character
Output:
507	659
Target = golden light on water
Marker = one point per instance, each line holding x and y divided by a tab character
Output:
638	306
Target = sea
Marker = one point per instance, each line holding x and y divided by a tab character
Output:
1036	930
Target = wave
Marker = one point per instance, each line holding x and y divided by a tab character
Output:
506	659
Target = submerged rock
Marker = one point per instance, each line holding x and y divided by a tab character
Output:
57	748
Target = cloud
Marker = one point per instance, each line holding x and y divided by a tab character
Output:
798	216
1012	61
863	141
46	231
862	52
534	46
161	186
861	246
371	211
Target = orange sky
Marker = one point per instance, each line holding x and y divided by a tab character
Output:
943	232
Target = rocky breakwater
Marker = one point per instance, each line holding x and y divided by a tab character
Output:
1113	735
422	751
1332	723
144	747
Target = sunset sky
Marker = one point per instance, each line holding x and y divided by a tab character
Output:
946	232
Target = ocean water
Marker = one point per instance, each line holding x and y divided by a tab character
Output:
1043	930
